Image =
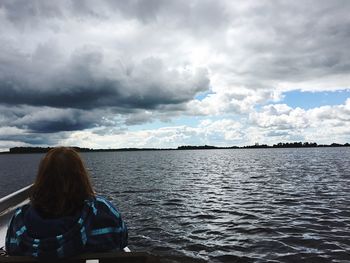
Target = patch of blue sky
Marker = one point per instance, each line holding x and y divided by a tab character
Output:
308	100
202	95
190	121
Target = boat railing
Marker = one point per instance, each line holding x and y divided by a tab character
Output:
14	199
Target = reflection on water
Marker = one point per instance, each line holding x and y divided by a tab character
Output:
283	205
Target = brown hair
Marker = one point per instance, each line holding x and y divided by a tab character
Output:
62	183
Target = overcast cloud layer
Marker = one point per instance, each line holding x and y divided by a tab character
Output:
100	74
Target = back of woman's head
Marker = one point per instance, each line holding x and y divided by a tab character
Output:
62	183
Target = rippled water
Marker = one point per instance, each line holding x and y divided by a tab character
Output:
277	205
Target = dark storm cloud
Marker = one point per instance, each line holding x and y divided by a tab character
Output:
62	124
49	120
32	138
80	83
52	121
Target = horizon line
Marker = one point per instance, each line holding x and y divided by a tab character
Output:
39	149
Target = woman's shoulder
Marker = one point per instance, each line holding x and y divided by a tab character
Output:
20	212
17	222
102	204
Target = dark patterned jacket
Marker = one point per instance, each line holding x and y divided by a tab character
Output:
97	228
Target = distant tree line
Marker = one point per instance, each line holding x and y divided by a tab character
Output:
78	149
257	145
183	147
296	145
42	149
203	147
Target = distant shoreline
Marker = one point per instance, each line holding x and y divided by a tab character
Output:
18	150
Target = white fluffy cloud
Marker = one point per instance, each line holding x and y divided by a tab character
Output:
280	122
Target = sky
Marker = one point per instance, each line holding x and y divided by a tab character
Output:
158	73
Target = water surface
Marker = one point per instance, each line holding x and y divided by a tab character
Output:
258	205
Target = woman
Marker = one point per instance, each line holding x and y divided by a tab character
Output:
64	217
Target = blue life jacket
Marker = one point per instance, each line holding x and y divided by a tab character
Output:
98	227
